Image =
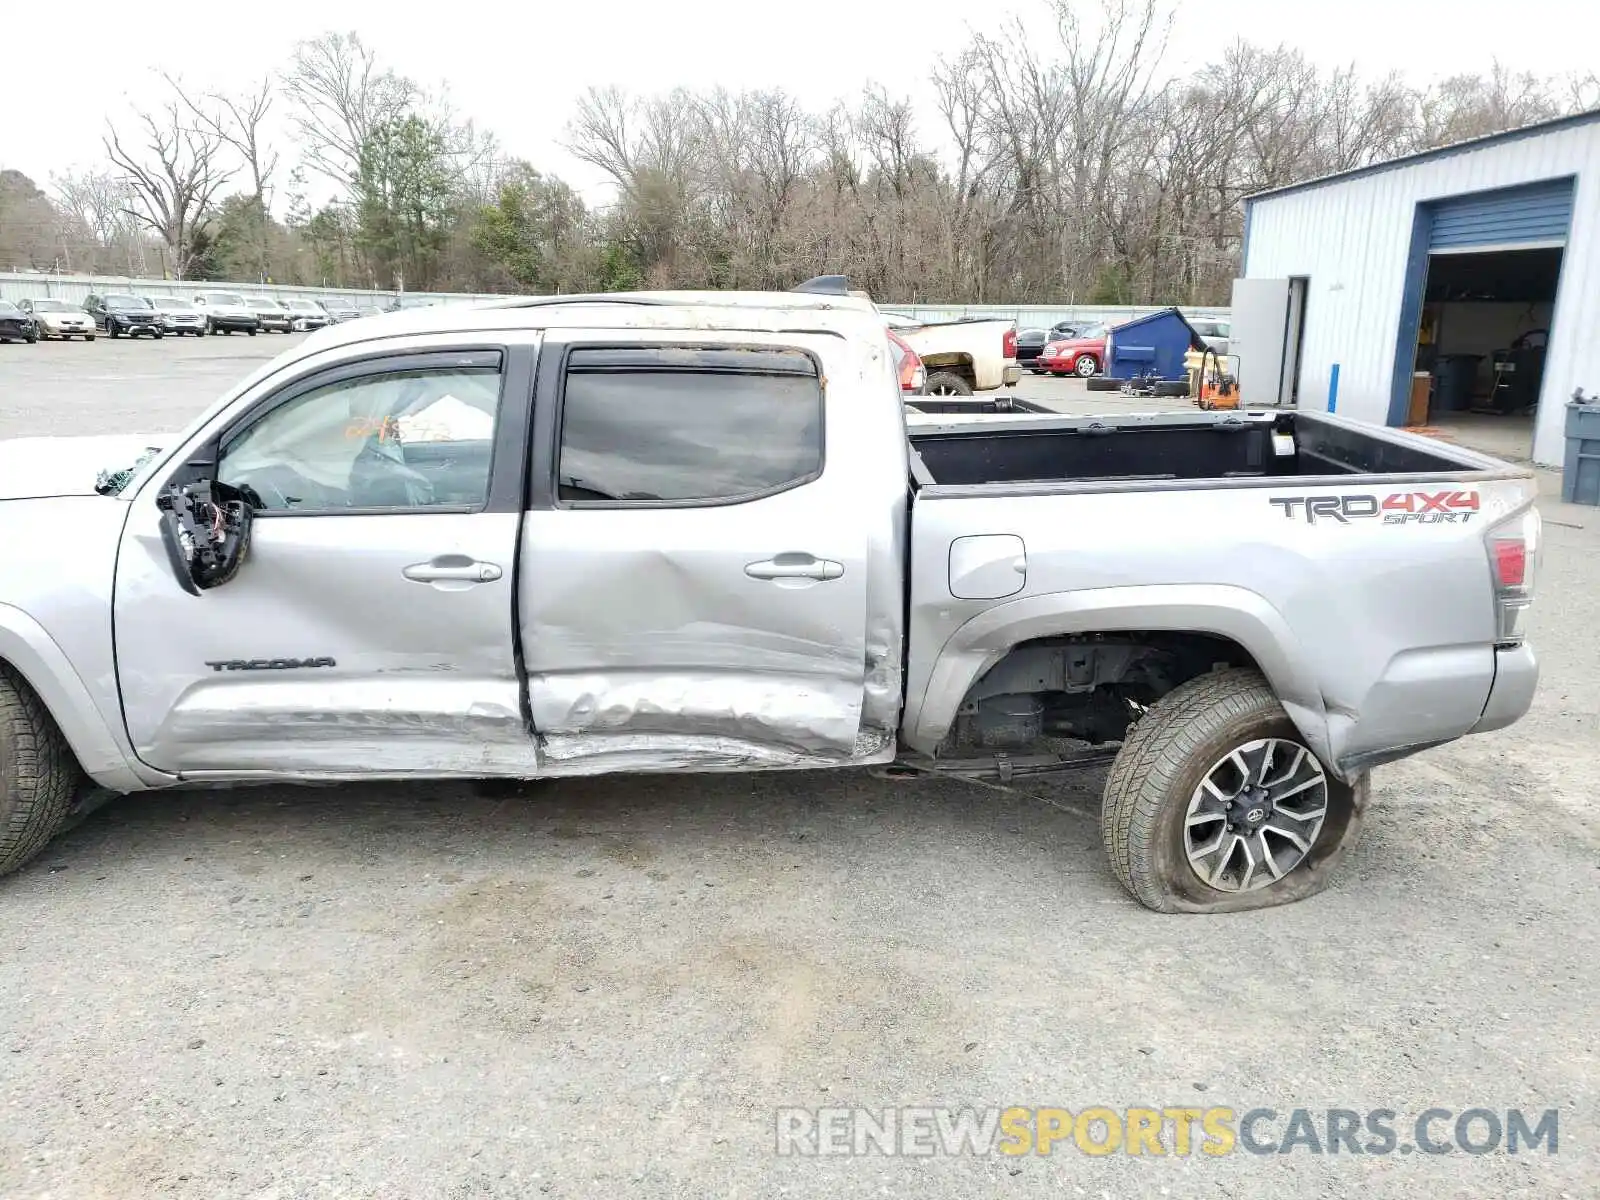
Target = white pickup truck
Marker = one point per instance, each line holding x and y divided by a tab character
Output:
691	532
964	355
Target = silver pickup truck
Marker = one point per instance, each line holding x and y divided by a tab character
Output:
703	532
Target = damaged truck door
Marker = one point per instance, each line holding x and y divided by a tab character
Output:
694	555
372	622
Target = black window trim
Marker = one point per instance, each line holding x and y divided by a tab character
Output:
507	459
548	418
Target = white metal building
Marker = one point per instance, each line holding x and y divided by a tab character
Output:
1472	271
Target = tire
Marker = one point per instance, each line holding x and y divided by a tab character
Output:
251	332
947	383
1084	366
88	337
1186	738
112	330
31	339
38	777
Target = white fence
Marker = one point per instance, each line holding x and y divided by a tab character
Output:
23	285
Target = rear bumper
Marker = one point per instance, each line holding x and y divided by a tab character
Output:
1516	678
1012	374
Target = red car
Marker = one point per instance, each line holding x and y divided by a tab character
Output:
1083	355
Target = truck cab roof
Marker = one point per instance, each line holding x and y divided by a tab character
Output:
682	310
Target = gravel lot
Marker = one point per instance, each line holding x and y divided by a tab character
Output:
604	988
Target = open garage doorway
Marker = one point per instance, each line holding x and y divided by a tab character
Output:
1486	319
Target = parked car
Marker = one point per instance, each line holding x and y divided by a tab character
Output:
1029	343
971	354
227	312
305	315
59	318
1082	355
16	325
120	313
340	310
721	545
179	315
273	316
1214	331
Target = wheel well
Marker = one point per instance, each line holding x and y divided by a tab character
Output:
1086	686
956	364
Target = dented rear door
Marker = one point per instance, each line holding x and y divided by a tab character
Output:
693	590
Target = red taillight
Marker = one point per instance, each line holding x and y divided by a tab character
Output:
1514	562
1010	344
911	376
1510	561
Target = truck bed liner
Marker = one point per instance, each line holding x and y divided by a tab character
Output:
1159	447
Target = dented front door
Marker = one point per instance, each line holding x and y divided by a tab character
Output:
369	630
693	585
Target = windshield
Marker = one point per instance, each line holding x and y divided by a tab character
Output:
301	305
1091	331
54	306
261	302
225	298
7	307
134	302
171	302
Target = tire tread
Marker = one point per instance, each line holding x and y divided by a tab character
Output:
43	776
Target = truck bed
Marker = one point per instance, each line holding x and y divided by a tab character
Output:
1150	448
1348	562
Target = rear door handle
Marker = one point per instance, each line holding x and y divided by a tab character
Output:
453	568
794	566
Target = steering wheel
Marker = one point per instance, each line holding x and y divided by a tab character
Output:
380	479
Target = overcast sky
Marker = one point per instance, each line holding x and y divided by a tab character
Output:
517	68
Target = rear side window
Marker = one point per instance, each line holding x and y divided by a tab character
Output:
687	426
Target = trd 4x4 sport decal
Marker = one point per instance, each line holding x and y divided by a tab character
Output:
1397	508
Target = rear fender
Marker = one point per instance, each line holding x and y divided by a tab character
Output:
1235	613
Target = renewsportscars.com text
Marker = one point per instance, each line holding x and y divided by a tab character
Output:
1161	1131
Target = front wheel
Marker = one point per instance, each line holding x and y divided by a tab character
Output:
37	774
251	332
112	329
1085	366
88	337
1216	804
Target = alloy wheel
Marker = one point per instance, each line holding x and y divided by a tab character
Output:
1256	815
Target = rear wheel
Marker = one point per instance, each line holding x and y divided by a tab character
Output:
948	383
1215	803
37	774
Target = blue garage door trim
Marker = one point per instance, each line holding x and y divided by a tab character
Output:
1541	212
1535	214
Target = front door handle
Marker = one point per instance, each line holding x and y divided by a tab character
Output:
453	568
794	566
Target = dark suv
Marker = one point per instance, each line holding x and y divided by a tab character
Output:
120	313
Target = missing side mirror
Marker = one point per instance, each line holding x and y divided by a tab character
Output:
205	527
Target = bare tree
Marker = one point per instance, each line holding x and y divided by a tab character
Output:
172	176
237	120
341	99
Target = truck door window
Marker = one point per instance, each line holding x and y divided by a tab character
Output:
397	440
683	426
